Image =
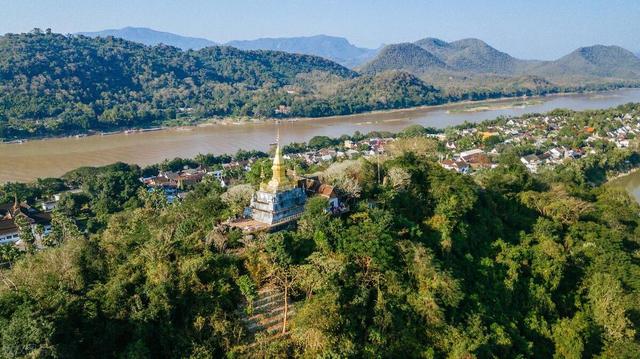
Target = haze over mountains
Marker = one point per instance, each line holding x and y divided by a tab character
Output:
337	49
464	63
152	37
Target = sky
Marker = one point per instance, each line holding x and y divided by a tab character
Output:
530	29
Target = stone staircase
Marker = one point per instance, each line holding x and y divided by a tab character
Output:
268	313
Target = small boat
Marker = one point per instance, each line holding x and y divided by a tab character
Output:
14	142
150	129
108	133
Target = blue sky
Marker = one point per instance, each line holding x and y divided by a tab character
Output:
542	29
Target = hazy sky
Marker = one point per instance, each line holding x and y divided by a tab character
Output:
542	29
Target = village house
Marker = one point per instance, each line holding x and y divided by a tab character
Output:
531	161
458	166
314	187
475	158
9	231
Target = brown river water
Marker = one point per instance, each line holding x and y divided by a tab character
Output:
54	157
630	183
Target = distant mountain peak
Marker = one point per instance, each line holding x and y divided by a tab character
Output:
404	56
471	55
334	48
151	37
470	41
596	60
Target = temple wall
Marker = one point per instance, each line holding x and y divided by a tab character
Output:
271	208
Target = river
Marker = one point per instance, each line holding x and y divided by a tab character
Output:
54	157
630	183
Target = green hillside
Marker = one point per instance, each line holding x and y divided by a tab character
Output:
53	83
472	65
594	61
472	55
407	57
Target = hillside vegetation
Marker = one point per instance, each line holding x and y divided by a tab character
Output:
53	84
594	61
474	66
427	263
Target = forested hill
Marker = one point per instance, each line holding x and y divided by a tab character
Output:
91	83
56	85
595	61
473	64
473	55
52	84
405	56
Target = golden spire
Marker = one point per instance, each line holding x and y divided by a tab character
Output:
279	180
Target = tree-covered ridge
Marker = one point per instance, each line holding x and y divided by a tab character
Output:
336	49
54	84
472	64
428	263
406	56
57	84
388	90
598	60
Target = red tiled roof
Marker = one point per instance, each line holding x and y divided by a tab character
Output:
326	190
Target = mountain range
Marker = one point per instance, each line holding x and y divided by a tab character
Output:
152	37
473	63
57	84
337	49
464	63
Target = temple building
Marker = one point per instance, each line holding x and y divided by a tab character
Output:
280	200
9	231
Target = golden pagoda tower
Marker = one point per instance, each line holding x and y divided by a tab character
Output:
278	201
279	180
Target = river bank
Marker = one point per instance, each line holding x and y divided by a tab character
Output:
629	181
54	157
454	107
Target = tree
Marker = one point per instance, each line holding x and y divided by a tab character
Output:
248	290
346	176
607	299
420	146
63	229
319	142
281	270
26	232
569	335
238	198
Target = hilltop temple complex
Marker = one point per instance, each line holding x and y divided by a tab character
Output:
280	200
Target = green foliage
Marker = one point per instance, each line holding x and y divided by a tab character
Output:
318	142
26	232
106	190
248	290
427	263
